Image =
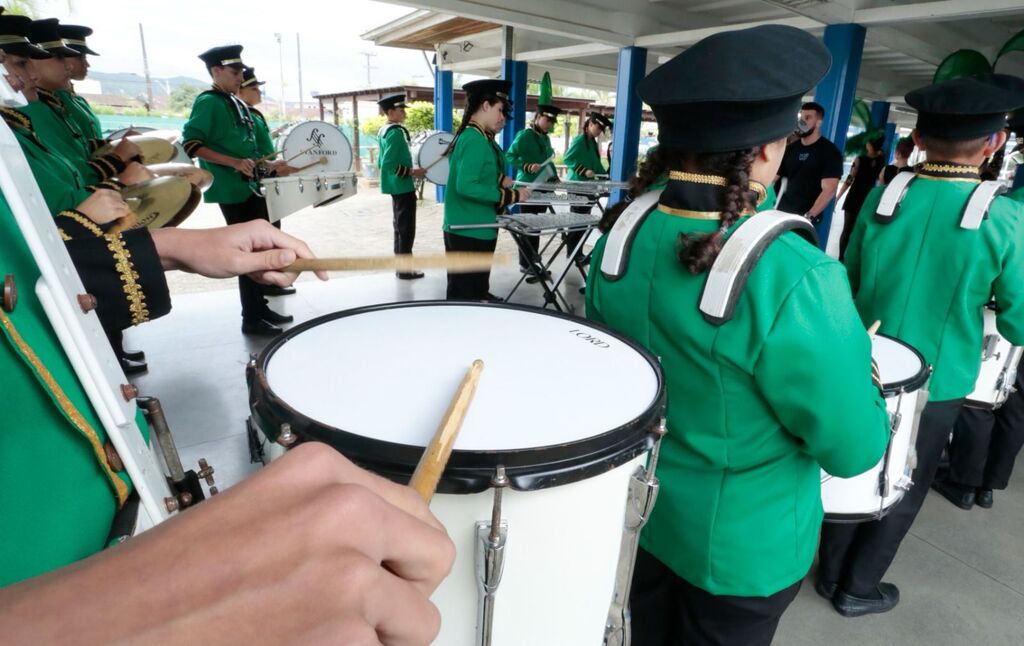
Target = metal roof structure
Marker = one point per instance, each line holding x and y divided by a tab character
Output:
578	40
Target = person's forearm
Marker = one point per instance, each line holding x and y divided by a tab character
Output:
168	242
821	203
215	157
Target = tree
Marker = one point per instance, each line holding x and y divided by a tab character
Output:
182	98
370	126
419	117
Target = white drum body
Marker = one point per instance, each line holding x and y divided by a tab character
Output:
428	152
569	453
998	373
334	186
872	494
286	195
310	141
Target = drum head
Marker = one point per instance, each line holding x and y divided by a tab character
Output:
430	154
901	366
559	399
316	140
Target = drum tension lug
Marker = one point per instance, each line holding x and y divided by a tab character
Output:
287	437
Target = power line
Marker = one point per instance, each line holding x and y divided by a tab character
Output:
369	56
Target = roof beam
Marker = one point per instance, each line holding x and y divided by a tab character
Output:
691	36
935	11
571	51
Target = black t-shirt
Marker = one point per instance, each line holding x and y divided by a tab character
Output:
804	167
892	170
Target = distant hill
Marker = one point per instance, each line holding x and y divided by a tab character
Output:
132	85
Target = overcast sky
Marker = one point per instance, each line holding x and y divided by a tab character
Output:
178	30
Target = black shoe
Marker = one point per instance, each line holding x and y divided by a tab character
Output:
825	589
274	290
409	275
491	298
850	606
959	495
260	327
273	317
132	367
983	498
134	356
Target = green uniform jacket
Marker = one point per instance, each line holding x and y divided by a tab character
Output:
474	194
583	155
927	280
264	142
58	494
80	114
531	146
1017	195
222	123
395	160
756	407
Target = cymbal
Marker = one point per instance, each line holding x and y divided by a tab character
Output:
200	178
161	202
155	150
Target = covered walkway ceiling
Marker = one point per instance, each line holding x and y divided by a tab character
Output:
578	40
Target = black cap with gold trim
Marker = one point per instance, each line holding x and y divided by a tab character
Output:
497	87
544	110
249	78
391	102
969	107
735	89
223	56
605	122
44	33
14	32
74	37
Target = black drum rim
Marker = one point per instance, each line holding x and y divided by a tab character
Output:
910	384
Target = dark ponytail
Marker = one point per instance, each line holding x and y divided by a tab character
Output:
698	252
473	103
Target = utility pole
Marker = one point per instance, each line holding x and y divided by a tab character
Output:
145	66
369	55
302	102
280	60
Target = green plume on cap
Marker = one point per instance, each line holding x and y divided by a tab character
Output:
545	90
962	62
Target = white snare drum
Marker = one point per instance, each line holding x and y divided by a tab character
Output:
872	494
998	372
310	141
576	493
286	195
334	186
428	152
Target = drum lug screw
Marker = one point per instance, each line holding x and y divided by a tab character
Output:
129	392
286	438
206	473
87	302
185	499
171	503
10	293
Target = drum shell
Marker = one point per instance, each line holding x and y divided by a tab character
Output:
998	371
286	195
427	150
332	187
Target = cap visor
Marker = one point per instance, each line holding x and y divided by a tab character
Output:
26	50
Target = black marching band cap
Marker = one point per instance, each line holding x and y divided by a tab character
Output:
249	78
14	32
736	89
605	122
224	56
546	110
74	37
498	87
44	33
969	107
393	101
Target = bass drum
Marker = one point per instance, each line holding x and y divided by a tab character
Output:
310	141
180	156
428	150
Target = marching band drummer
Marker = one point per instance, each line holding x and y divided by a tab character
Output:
221	132
926	276
760	404
478	188
397	175
583	161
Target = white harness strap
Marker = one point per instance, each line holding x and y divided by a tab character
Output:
740	254
620	238
385	129
979	203
892	196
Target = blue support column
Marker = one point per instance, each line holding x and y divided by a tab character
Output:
514	71
880	118
628	113
444	103
836	93
890	142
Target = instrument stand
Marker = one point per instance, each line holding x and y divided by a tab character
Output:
552	294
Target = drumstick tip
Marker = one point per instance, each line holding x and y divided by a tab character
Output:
874	328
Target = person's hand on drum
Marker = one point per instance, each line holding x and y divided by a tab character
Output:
507	182
135	173
244	166
418	172
282	168
255	248
524	194
532	168
312	549
589	174
127	149
103	206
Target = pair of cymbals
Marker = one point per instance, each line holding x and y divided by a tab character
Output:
156	147
162	201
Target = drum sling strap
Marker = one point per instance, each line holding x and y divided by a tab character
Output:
974	213
620	239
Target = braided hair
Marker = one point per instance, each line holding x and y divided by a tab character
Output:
473	103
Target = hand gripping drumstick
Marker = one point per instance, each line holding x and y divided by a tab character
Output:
435	457
874	328
456	262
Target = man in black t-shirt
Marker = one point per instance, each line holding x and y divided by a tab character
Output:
811	168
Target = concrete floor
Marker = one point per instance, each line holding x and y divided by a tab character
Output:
961	574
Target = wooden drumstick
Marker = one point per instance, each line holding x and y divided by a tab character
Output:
322	160
435	457
874	328
456	262
278	152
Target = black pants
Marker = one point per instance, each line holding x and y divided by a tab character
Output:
532	241
986	443
473	286
249	291
404	208
572	239
844	239
667	610
856	556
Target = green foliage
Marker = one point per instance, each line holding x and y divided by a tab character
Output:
371	125
123	111
182	98
419	116
962	62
